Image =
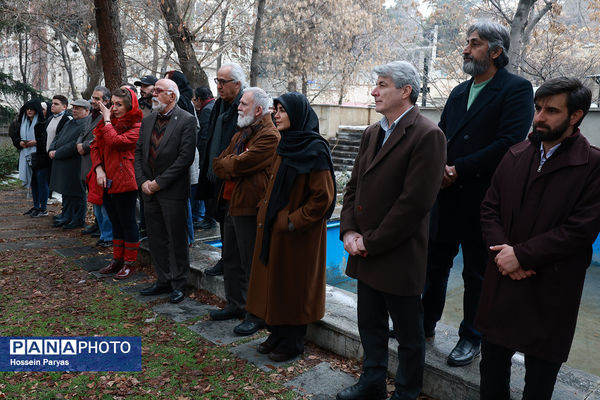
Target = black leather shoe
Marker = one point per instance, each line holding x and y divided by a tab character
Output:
60	222
247	328
155	289
226	313
463	353
72	225
88	230
361	391
216	270
176	296
57	217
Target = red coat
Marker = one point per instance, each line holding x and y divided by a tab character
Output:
551	217
114	148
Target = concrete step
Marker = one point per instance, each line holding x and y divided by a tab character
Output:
344	154
338	332
345	147
340	161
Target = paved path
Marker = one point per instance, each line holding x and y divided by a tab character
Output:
20	232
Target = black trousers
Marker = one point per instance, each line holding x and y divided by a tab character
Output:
166	225
540	375
238	248
120	208
289	338
440	258
406	312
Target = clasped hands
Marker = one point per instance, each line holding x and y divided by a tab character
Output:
150	187
354	245
508	264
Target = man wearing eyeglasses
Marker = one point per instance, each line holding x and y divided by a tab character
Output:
222	126
163	155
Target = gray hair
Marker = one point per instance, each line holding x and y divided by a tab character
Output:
172	87
402	73
261	98
497	36
105	92
237	73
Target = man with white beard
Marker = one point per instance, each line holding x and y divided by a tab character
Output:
163	155
243	167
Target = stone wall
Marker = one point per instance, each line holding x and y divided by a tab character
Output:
332	116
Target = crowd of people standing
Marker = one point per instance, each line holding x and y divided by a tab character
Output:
259	168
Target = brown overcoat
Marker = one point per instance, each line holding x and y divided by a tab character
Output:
249	169
551	216
290	290
388	199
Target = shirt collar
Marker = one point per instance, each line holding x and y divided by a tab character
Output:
385	124
60	114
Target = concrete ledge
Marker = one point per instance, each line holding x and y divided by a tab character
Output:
338	332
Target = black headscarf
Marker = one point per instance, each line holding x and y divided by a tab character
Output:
185	91
302	150
35	105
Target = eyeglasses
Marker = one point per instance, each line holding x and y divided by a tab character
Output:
96	98
159	90
222	82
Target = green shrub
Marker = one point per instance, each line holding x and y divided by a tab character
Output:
9	160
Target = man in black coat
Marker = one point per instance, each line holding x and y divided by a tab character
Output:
163	155
66	171
221	128
482	118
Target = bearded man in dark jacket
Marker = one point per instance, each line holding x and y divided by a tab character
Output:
539	219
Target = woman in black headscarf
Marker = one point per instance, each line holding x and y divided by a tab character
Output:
287	279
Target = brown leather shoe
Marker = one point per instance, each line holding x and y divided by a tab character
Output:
125	272
113	267
268	345
281	356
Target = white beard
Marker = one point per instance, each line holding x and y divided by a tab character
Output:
245	120
157	105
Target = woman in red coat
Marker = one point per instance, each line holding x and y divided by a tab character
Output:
112	154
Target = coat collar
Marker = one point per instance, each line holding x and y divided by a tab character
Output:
488	93
396	136
574	150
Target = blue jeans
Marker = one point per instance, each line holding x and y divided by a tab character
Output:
39	188
103	223
190	223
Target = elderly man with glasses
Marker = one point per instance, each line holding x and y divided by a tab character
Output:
222	126
163	155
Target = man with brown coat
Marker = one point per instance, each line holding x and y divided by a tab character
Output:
384	223
539	218
243	168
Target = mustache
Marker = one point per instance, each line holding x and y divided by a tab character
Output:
541	125
467	57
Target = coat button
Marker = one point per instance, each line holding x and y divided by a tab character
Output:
467	137
260	225
265	201
359	208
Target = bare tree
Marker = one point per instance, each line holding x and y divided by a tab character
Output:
256	43
111	47
182	40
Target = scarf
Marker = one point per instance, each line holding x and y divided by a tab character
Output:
27	132
301	152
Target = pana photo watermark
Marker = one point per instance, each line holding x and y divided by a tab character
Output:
71	353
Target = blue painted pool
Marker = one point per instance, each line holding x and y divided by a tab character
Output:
337	258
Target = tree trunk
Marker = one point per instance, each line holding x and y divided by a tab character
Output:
517	27
256	44
155	47
23	59
111	47
182	42
222	34
64	53
93	63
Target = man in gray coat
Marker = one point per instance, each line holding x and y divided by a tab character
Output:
66	171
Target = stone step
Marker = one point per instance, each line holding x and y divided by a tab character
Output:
350	155
345	147
343	161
